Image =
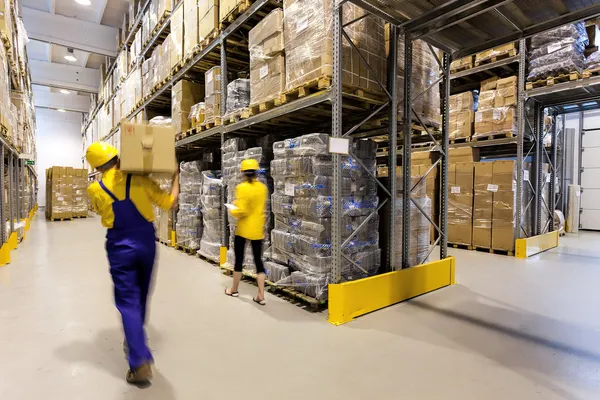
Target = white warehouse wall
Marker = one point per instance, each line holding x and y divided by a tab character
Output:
58	143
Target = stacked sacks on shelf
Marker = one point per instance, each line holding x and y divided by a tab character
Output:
300	256
557	51
212	215
232	175
189	217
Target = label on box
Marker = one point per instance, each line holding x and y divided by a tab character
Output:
554	47
497	114
289	189
514	186
578	193
492	188
264	71
302	24
60	199
525	175
548	178
478	117
209	78
455	190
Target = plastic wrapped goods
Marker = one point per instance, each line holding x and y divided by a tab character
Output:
210	199
308	44
425	72
302	205
420	231
558	51
238	95
189	225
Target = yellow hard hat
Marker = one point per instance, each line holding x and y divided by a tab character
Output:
250	165
100	153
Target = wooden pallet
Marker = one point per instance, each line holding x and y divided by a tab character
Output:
207	259
239	9
159	24
59	219
588	73
497	57
461	68
80	216
460	140
200	47
209	125
236	116
187	250
495	251
552	80
495	135
287	293
461	246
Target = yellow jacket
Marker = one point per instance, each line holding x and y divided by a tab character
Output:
250	200
144	193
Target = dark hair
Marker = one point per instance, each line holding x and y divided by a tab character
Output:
250	174
109	164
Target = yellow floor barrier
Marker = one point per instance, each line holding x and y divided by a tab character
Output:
536	244
352	299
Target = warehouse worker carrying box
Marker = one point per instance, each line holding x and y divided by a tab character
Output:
125	203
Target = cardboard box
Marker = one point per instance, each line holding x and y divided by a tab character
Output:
495	51
462	102
148	149
183	96
461	63
464	154
212	79
267	79
460	203
483	205
266	38
505	175
190	25
461	124
208	18
421	158
484	122
177	36
487	99
504	206
489	84
503	235
509	82
505	119
225	7
163	7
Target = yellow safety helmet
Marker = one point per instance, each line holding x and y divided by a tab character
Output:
250	165
100	153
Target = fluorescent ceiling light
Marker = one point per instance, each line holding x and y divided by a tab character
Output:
70	55
591	103
84	2
570	106
61	110
64	91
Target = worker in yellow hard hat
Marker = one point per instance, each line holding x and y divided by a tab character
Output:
249	210
125	203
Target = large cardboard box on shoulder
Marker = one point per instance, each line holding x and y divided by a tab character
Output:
147	149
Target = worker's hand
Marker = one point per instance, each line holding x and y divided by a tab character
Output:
176	174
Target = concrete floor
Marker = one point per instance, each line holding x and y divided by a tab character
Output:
509	330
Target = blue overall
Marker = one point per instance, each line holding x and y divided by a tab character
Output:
131	249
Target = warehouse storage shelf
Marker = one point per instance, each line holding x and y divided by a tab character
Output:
469	79
566	92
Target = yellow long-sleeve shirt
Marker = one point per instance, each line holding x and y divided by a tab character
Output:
250	200
144	193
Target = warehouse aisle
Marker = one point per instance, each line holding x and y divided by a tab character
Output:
509	329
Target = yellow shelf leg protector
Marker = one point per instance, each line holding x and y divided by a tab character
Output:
27	224
13	241
536	244
223	255
352	299
173	239
4	255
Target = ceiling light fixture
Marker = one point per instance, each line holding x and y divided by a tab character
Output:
61	110
65	91
84	2
70	55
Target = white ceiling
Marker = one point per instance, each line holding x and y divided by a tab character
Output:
102	12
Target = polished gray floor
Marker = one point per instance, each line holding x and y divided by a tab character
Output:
509	329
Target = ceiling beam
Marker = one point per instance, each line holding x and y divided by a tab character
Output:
69	102
69	32
64	76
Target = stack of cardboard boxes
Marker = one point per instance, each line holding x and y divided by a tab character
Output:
212	80
66	193
177	37
267	59
462	116
308	44
190	25
496	112
79	181
184	95
494	205
509	49
208	17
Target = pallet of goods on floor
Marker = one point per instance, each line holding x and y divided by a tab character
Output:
66	194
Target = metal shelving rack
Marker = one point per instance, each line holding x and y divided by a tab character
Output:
449	27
